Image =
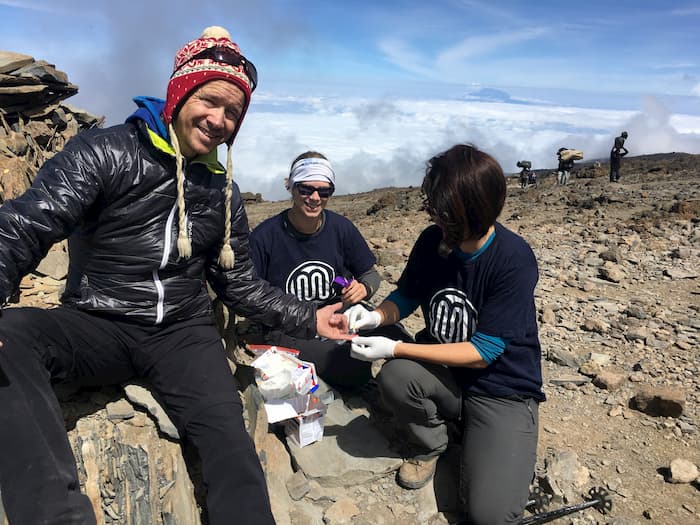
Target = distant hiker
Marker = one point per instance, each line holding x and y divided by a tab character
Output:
320	257
152	219
527	176
523	178
478	360
616	153
566	164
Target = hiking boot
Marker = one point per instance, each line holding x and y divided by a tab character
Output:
416	473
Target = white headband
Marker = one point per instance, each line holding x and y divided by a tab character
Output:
311	170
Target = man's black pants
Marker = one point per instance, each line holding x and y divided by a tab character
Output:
185	365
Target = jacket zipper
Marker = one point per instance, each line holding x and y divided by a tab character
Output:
167	247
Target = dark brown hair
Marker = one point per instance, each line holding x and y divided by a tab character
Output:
465	190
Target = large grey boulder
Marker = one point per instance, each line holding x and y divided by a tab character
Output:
352	450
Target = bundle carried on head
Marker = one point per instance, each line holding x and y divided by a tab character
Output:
524	164
571	154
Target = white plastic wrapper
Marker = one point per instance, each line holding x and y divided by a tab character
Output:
282	376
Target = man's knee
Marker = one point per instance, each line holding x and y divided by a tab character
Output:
20	333
214	423
17	323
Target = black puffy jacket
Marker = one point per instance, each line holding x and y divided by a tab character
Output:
112	192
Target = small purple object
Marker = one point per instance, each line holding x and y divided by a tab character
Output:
342	281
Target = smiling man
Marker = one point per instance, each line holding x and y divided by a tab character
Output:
151	218
209	116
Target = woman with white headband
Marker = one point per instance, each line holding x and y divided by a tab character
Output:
319	256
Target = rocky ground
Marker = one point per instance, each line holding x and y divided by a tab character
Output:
618	303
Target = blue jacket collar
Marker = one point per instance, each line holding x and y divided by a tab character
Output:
149	110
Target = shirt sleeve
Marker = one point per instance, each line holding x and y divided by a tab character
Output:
405	304
508	312
488	346
371	281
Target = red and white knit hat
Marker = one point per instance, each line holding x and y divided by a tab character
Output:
191	71
213	56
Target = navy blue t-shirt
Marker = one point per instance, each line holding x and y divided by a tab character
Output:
493	294
305	265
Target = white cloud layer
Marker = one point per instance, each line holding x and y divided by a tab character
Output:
375	144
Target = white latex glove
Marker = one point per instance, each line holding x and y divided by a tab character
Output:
372	348
361	318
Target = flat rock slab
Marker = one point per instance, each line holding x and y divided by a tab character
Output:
574	379
352	450
10	61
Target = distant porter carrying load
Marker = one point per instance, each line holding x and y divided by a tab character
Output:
571	154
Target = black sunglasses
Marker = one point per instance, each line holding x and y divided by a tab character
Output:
228	56
306	191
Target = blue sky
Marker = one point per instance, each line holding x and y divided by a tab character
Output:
380	86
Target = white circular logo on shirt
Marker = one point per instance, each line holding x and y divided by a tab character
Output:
452	316
311	281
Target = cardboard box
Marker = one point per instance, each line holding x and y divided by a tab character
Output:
306	428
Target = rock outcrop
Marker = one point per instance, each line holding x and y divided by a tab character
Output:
34	122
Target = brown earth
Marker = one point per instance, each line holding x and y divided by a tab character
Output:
648	225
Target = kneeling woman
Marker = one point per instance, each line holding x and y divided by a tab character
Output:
478	359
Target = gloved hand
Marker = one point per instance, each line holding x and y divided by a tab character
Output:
361	318
372	348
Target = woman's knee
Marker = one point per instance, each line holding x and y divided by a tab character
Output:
491	512
396	379
404	382
490	504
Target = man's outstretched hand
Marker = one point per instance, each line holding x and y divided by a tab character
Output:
331	324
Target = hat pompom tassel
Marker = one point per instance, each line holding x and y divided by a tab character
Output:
226	257
215	32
